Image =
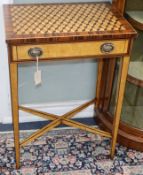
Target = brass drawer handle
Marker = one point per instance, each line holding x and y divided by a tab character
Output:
35	52
107	47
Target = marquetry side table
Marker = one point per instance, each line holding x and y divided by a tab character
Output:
67	31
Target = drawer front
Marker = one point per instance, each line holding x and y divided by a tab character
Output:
78	49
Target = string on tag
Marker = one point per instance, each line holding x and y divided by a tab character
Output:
37	63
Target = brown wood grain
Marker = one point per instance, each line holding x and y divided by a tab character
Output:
71	43
120	94
103	84
40	132
66	50
42	114
120	5
99	83
128	136
15	112
86	128
135	81
13	38
109	84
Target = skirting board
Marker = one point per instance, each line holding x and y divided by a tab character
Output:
53	108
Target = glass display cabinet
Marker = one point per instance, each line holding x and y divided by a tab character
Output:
132	113
131	124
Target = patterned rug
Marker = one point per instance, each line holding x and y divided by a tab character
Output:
68	152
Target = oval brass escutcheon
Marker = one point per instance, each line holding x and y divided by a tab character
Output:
107	47
35	52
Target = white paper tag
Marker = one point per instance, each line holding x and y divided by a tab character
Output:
37	77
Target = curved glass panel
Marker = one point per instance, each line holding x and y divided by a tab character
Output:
132	110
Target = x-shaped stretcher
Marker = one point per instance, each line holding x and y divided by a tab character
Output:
63	119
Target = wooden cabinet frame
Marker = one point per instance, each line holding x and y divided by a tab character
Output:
106	53
128	135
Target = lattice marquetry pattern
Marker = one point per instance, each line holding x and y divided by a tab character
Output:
63	18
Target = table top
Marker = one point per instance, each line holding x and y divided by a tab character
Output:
64	22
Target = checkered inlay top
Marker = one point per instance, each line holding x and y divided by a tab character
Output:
63	18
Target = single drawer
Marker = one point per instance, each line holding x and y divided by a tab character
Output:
76	49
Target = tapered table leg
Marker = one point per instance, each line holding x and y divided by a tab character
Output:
109	83
121	88
99	81
15	112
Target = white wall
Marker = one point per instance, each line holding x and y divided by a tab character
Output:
4	73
